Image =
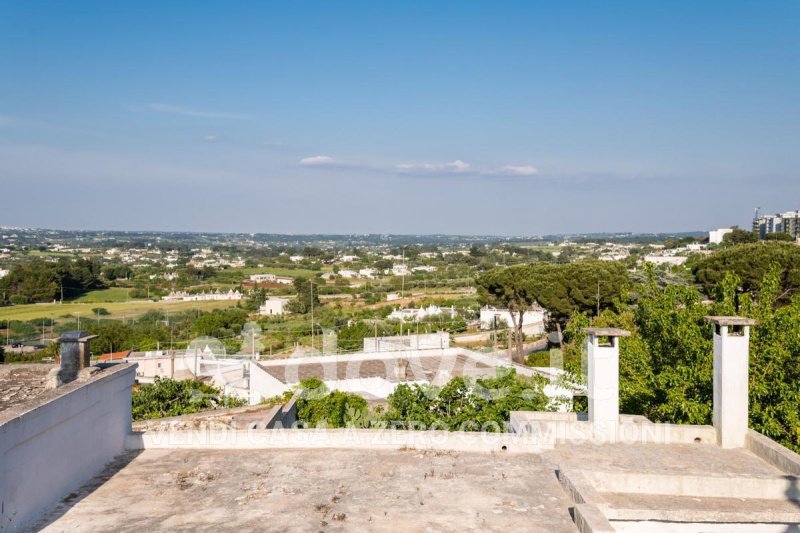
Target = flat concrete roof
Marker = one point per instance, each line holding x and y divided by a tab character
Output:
731	320
318	490
406	489
20	384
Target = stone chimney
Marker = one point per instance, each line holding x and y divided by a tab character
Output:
74	355
603	381
731	367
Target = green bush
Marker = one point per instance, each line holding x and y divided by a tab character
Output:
168	397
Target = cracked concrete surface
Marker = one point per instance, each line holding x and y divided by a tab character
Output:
318	490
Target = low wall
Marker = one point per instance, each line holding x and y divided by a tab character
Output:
51	448
365	439
770	451
553	428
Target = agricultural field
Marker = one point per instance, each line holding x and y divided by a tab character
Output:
118	310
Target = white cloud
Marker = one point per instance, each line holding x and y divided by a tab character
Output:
211	137
518	170
318	161
457	166
190	112
454	167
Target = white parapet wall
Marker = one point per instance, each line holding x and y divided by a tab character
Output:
51	448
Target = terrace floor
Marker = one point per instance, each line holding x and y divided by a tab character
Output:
318	490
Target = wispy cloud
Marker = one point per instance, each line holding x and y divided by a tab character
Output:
211	138
191	112
518	170
318	161
457	167
453	167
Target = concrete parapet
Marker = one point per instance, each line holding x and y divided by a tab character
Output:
774	488
374	439
589	519
770	451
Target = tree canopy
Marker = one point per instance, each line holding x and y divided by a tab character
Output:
666	366
750	263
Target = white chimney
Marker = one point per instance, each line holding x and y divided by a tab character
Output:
603	387
731	366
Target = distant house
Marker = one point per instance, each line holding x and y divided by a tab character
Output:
348	273
273	306
400	270
673	260
421	313
263	278
203	296
715	236
271	278
424	268
296	258
392	296
532	320
368	273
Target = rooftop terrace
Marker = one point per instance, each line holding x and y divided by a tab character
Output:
318	490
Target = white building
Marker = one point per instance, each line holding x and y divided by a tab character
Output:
674	260
273	306
400	270
532	320
424	268
392	296
715	236
271	278
348	274
296	258
203	296
368	273
418	314
348	258
261	278
3	273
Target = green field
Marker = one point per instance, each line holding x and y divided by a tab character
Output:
117	310
114	294
278	271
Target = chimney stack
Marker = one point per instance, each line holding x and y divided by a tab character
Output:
731	367
603	387
74	355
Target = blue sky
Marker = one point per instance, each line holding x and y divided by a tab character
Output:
516	118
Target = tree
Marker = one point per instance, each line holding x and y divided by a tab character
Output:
510	288
739	236
750	263
307	296
464	404
562	289
666	366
